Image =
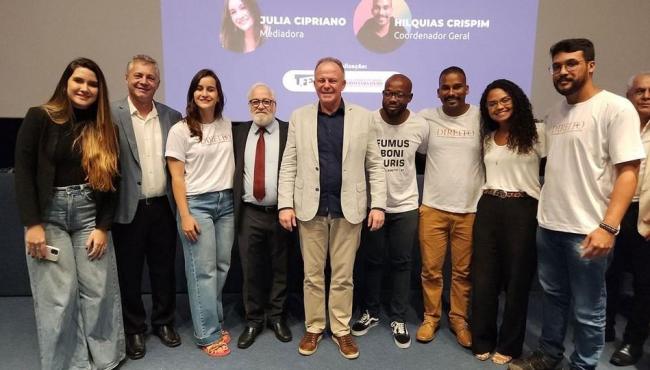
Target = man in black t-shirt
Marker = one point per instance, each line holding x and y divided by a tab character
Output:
378	33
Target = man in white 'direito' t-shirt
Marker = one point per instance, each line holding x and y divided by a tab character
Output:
400	134
452	182
591	173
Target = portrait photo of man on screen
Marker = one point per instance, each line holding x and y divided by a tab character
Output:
378	32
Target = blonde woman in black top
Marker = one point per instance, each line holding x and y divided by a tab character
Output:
66	171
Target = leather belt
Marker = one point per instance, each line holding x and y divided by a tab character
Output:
505	194
265	209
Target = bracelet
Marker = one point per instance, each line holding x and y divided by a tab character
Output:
610	229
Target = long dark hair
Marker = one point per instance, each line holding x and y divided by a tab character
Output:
98	139
522	130
232	38
193	117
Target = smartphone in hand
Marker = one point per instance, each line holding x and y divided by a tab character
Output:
51	253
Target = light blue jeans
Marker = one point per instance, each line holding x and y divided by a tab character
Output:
207	261
76	300
565	275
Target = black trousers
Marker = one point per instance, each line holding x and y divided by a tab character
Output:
505	258
395	241
631	252
151	236
263	246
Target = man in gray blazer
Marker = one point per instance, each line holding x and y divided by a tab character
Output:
331	149
144	226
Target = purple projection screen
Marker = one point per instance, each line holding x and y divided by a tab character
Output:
488	39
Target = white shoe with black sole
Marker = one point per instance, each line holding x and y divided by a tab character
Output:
400	334
361	326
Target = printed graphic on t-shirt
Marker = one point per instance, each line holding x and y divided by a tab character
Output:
216	139
453	133
563	128
393	152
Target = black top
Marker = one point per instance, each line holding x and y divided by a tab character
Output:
367	35
67	156
330	158
36	170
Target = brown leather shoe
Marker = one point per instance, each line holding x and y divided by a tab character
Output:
463	335
427	331
347	346
309	343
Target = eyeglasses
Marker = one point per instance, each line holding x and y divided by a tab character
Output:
506	101
571	65
394	94
265	102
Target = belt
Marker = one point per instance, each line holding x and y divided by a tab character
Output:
150	201
265	209
505	194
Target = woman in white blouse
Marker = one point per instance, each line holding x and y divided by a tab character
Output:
504	255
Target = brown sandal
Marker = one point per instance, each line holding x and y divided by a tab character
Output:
500	359
482	356
216	349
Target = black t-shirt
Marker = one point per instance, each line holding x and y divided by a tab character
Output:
367	35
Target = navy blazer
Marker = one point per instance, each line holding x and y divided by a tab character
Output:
239	135
131	179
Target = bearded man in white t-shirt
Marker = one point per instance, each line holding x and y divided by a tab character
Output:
400	134
452	182
592	166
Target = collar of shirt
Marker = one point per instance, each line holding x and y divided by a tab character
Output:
270	128
134	111
339	111
645	129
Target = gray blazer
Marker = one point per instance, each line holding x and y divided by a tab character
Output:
130	171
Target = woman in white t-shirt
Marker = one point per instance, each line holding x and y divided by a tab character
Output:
504	254
201	162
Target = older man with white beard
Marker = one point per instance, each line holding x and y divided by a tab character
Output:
263	243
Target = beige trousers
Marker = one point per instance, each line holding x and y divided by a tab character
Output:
339	238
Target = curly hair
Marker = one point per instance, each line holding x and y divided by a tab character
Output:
522	130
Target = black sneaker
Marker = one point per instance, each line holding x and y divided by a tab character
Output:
536	361
364	323
400	334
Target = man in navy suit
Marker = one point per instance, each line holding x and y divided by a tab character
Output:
144	226
263	243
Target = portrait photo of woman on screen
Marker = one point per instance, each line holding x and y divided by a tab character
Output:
241	28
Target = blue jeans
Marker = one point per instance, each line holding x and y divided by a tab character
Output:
207	261
564	274
76	300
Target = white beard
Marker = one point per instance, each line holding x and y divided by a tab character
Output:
263	119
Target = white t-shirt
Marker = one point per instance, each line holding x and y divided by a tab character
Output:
454	172
209	164
585	141
508	170
398	145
